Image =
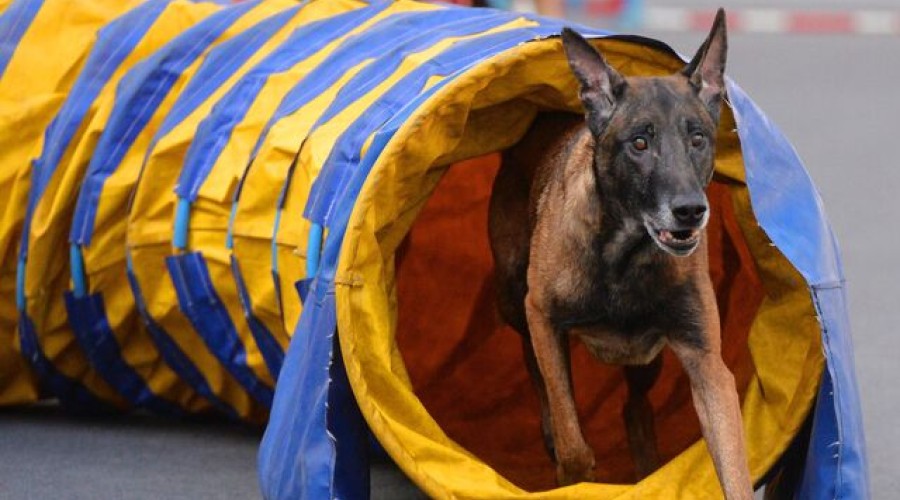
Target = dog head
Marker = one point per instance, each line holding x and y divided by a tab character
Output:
655	138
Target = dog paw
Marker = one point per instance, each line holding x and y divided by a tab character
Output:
576	471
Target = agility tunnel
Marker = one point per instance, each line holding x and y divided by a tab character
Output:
200	199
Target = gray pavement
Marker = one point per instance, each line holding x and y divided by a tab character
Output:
835	97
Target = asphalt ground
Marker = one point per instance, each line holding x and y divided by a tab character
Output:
833	96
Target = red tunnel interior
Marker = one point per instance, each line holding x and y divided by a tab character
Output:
467	368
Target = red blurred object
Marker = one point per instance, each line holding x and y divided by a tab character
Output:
604	8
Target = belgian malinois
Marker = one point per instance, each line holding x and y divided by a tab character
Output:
597	228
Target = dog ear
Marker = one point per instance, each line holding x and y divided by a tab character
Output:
600	84
706	71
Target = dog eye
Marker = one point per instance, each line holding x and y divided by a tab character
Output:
698	140
639	143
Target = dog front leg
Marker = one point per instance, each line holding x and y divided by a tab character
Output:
716	401
574	458
638	416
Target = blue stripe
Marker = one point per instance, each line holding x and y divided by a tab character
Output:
345	154
71	393
172	354
203	307
215	129
87	316
114	42
447	24
137	97
14	22
297	455
271	350
373	42
386	35
221	62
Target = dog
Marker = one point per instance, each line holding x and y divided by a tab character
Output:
597	229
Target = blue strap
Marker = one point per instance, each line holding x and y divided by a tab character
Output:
14	22
271	350
137	97
76	267
87	317
203	308
172	354
182	219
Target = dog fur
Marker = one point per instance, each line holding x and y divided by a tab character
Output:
597	228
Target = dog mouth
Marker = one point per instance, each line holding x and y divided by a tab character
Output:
678	242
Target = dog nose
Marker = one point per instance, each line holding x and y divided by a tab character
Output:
689	212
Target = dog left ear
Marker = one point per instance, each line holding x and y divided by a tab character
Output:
600	84
706	71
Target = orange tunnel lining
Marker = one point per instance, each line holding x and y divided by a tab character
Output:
467	368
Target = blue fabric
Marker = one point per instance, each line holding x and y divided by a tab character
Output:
172	354
271	351
87	317
784	199
297	455
137	97
203	307
836	464
14	22
789	210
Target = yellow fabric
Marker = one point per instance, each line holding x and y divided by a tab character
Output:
255	215
48	275
486	110
149	224
32	89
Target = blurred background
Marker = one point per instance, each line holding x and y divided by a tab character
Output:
825	71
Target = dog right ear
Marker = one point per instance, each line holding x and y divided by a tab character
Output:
600	84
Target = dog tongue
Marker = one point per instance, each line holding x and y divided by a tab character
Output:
665	236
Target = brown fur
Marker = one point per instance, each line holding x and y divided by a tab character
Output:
572	257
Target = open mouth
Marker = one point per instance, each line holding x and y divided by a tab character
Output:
677	242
